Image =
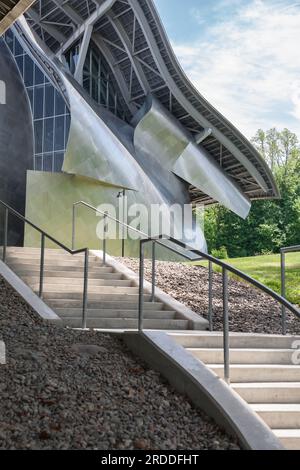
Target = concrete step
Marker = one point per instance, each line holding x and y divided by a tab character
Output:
111	313
93	274
246	373
290	438
127	324
103	304
244	356
101	296
48	255
29	249
92	288
72	261
279	415
277	392
236	340
52	284
70	265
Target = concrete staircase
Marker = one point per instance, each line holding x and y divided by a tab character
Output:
263	370
112	299
262	373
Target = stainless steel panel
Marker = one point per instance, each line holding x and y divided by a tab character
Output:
198	168
163	139
159	132
93	150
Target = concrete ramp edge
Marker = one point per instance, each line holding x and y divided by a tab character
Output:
38	305
206	391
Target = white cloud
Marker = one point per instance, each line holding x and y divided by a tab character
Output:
248	66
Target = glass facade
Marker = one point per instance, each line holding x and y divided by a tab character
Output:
51	117
97	79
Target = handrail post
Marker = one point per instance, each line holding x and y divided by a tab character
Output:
210	300
141	287
153	272
123	226
85	288
283	291
73	225
104	238
5	235
42	264
226	327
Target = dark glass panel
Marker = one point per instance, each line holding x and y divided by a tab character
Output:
67	129
48	162
58	161
38	76
48	134
59	104
38	102
49	101
59	136
28	71
38	135
38	163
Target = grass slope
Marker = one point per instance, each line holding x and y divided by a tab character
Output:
266	269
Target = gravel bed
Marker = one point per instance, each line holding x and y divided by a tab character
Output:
67	389
250	310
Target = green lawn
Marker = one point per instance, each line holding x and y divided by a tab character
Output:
266	269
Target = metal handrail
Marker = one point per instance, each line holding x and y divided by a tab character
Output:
44	236
225	269
283	252
125	226
106	216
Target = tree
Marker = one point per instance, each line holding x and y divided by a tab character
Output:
289	145
276	147
271	224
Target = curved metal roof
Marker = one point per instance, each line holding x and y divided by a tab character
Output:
131	37
10	10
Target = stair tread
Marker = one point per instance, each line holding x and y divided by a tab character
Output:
112	295
240	349
266	385
103	309
129	323
287	432
167	320
205	334
255	366
276	407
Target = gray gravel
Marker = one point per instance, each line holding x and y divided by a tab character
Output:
250	310
65	389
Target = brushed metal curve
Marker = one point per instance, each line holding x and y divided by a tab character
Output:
159	135
198	168
159	131
93	150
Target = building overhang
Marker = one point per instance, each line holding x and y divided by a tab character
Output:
131	37
10	10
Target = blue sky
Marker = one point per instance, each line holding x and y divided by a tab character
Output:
242	55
